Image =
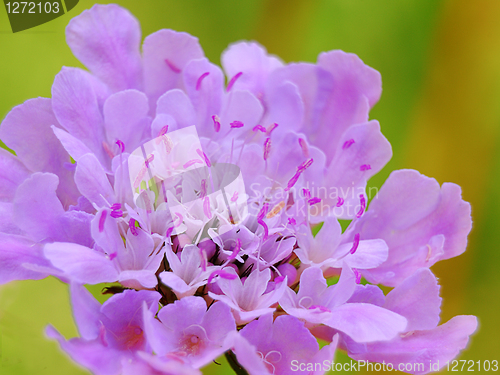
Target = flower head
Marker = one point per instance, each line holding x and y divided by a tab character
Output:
202	200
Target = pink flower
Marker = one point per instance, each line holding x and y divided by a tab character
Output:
200	199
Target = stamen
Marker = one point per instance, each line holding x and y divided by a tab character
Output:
133	228
362	201
116	206
365	167
267	148
236	250
204	156
340	202
406	334
172	66
292	181
121	145
216	120
222	274
149	160
206	208
266	229
358	275
320	308
304	147
270	128
181	219
102	219
198	83
263	211
169	232
165	140
313	201
429	253
236	124
227	276
276	209
233	80
234	198
305	165
355	244
212	276
110	153
259	127
140	176
307	193
163	131
116	214
203	190
348	144
191	162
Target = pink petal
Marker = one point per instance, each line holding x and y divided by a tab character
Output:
86	311
433	347
420	222
206	95
81	264
106	39
26	130
252	60
166	53
417	299
366	323
75	105
37	208
241	106
12	173
125	118
178	105
93	182
16	251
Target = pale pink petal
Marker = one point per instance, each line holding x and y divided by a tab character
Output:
81	264
106	39
165	54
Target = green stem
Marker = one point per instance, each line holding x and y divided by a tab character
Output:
233	362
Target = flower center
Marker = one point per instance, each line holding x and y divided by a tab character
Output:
194	340
131	338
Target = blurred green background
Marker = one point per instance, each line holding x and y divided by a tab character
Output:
440	109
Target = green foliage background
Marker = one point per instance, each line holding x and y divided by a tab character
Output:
440	109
